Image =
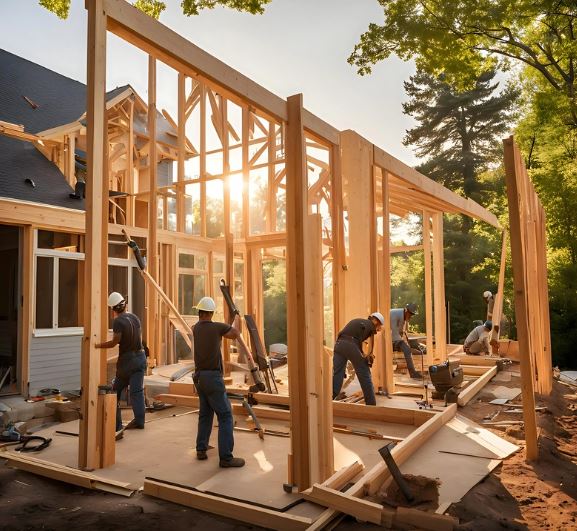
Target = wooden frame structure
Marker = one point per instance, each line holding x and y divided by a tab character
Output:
247	136
528	253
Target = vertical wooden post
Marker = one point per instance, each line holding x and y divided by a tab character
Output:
428	284
96	235
181	124
152	247
202	142
498	307
245	184
27	318
512	166
439	288
299	331
385	294
547	376
339	259
130	168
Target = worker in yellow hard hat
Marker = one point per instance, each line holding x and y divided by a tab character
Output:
131	363
349	348
208	368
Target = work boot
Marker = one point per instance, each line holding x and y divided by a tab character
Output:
233	462
201	455
134	425
416	375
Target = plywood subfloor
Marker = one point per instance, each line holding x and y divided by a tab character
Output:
165	450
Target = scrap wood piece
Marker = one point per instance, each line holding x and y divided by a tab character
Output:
67	474
471	390
340	478
363	510
424	520
237	510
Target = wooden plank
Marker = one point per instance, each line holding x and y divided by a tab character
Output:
385	296
223	507
498	307
472	389
547	375
181	388
181	139
428	285
96	235
340	478
152	242
439	288
512	165
108	444
480	361
417	181
297	309
363	510
423	520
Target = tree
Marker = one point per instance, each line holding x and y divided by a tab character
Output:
464	38
457	129
458	135
154	8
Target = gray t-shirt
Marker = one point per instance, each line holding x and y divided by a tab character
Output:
397	323
480	334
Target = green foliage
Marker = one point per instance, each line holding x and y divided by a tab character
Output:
153	8
60	8
193	7
274	301
464	38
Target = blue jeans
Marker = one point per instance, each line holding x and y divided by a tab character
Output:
130	369
403	346
212	397
344	351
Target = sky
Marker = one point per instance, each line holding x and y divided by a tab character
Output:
296	46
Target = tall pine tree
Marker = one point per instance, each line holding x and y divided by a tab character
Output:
459	137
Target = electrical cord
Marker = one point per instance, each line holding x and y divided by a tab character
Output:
44	442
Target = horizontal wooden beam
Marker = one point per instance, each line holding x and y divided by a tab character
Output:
236	510
154	38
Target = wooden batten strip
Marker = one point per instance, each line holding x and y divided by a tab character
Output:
224	507
471	390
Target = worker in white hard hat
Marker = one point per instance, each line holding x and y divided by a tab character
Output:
349	347
400	318
131	363
208	379
478	340
490	302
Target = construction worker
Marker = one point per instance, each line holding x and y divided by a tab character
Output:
400	318
209	382
349	348
131	363
490	302
477	341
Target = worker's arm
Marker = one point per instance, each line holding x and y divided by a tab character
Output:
234	332
110	344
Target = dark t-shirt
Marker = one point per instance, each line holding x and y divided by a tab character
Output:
128	326
207	341
359	329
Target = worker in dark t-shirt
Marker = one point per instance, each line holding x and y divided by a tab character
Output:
209	382
349	348
131	364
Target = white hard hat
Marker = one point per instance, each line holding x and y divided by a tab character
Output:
114	299
487	294
379	317
206	304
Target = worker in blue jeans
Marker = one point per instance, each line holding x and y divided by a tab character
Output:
209	382
349	348
131	364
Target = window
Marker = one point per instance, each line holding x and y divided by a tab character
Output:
192	281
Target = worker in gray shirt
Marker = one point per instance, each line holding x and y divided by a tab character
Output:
400	318
477	341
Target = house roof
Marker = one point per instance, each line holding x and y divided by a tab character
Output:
40	99
20	160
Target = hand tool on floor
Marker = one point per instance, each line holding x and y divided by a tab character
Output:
385	452
257	427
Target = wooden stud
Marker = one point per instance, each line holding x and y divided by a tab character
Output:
236	510
472	389
298	333
338	250
96	234
513	164
129	176
27	317
439	288
428	285
385	287
498	306
107	403
181	129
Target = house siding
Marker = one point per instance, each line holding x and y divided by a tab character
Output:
55	363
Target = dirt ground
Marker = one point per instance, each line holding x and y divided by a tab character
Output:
516	495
